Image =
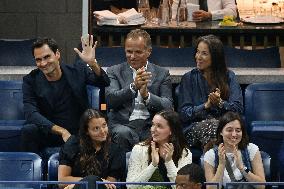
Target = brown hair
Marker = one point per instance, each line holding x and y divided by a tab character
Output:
88	161
227	118
177	137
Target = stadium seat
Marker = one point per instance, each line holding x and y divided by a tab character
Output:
53	163
20	166
269	136
184	57
266	159
259	58
264	102
16	52
173	57
264	112
11	115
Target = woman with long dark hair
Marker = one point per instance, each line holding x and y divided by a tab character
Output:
91	156
207	92
233	158
158	158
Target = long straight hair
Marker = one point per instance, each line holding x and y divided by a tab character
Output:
219	71
88	161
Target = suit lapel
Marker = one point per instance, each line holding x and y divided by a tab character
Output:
151	69
127	74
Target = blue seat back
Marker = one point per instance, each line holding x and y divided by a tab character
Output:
20	166
16	53
260	58
94	96
264	102
269	136
11	115
109	56
166	57
11	103
53	164
173	57
184	57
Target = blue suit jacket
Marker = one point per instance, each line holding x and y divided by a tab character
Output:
36	95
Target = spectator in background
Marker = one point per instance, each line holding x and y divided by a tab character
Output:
233	159
91	156
209	9
137	91
55	95
207	92
159	157
191	176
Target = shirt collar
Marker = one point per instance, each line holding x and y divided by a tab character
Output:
146	66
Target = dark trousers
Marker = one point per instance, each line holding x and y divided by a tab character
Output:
34	139
130	134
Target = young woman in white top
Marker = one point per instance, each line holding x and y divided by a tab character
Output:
160	157
233	143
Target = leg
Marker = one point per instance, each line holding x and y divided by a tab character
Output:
124	136
31	138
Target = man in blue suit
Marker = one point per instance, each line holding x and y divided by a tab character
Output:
137	91
54	94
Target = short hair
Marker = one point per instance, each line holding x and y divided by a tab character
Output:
52	44
194	172
137	33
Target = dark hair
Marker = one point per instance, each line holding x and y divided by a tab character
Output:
88	161
219	71
177	137
227	118
194	172
45	41
137	33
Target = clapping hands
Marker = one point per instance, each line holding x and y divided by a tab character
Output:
165	151
213	98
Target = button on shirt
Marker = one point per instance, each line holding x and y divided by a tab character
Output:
140	110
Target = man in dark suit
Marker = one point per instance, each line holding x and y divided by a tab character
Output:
54	94
138	90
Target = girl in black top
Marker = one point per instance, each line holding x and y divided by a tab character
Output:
91	155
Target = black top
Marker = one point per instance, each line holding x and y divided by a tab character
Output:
64	101
70	154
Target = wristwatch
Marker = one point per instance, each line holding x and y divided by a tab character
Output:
221	103
245	170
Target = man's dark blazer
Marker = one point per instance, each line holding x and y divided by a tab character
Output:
37	98
120	98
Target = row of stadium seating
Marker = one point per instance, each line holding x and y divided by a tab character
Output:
18	53
264	115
